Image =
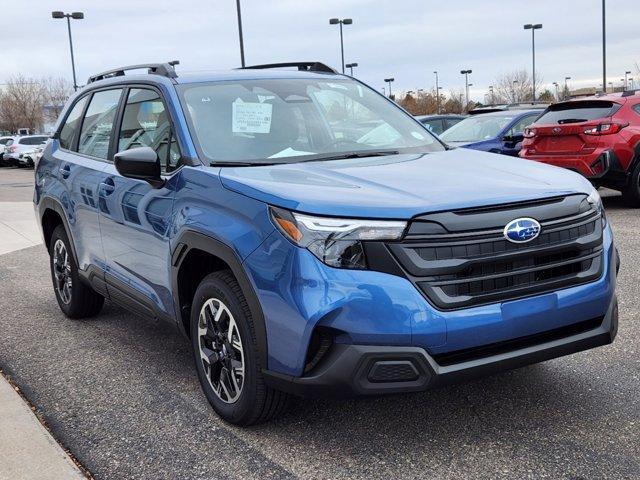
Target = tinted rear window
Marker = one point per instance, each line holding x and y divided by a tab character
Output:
574	112
32	140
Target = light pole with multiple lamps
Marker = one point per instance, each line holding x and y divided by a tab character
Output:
69	16
566	88
555	84
533	27
466	84
388	81
626	83
350	66
341	22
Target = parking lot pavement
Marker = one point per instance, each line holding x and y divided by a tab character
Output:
121	393
18	228
16	184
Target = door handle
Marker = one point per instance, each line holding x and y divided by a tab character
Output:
65	171
107	187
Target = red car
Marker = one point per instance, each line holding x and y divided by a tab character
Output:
598	137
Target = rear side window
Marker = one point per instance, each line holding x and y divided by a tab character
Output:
5	141
32	140
9	142
434	125
97	126
71	124
575	112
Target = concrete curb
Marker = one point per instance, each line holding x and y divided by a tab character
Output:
27	449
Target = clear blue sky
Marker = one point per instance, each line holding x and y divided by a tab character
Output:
406	39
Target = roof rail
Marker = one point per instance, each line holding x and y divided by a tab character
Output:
164	69
302	66
630	93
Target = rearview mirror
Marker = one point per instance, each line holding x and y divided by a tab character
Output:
141	163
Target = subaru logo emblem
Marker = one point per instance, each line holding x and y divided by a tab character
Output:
522	230
557	129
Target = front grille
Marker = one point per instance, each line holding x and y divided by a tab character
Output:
456	269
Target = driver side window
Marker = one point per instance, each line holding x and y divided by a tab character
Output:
521	124
145	123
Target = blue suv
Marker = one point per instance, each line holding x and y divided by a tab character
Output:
310	237
496	132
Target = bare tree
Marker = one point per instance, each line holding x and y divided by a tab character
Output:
58	91
422	102
29	103
514	87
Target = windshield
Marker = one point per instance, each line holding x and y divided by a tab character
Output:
476	129
289	120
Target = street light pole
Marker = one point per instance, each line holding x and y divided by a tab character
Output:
566	88
604	47
557	91
338	21
389	80
626	83
350	67
69	16
437	93
533	28
240	34
466	85
491	95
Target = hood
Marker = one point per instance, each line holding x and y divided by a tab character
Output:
402	186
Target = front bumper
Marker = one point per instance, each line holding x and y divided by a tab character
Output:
355	370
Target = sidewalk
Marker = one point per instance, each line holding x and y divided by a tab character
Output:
27	449
18	227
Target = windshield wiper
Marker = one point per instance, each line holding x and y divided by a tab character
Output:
347	155
241	164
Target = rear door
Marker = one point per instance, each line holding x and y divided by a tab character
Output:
560	130
80	159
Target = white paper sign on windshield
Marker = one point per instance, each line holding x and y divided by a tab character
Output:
250	117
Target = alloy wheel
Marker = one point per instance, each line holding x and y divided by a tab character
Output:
62	271
221	351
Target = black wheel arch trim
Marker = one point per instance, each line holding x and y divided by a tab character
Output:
189	240
49	203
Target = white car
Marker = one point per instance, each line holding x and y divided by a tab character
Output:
30	158
3	142
19	145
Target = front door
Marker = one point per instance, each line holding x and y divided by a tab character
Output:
135	217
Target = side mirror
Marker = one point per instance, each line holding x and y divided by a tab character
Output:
515	138
141	163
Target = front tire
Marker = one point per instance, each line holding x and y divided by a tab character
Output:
226	354
631	193
76	300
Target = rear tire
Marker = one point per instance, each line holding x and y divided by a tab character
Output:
226	354
631	193
76	300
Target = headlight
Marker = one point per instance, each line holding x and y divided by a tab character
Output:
596	202
335	241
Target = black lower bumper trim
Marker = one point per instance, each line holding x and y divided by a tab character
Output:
354	370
